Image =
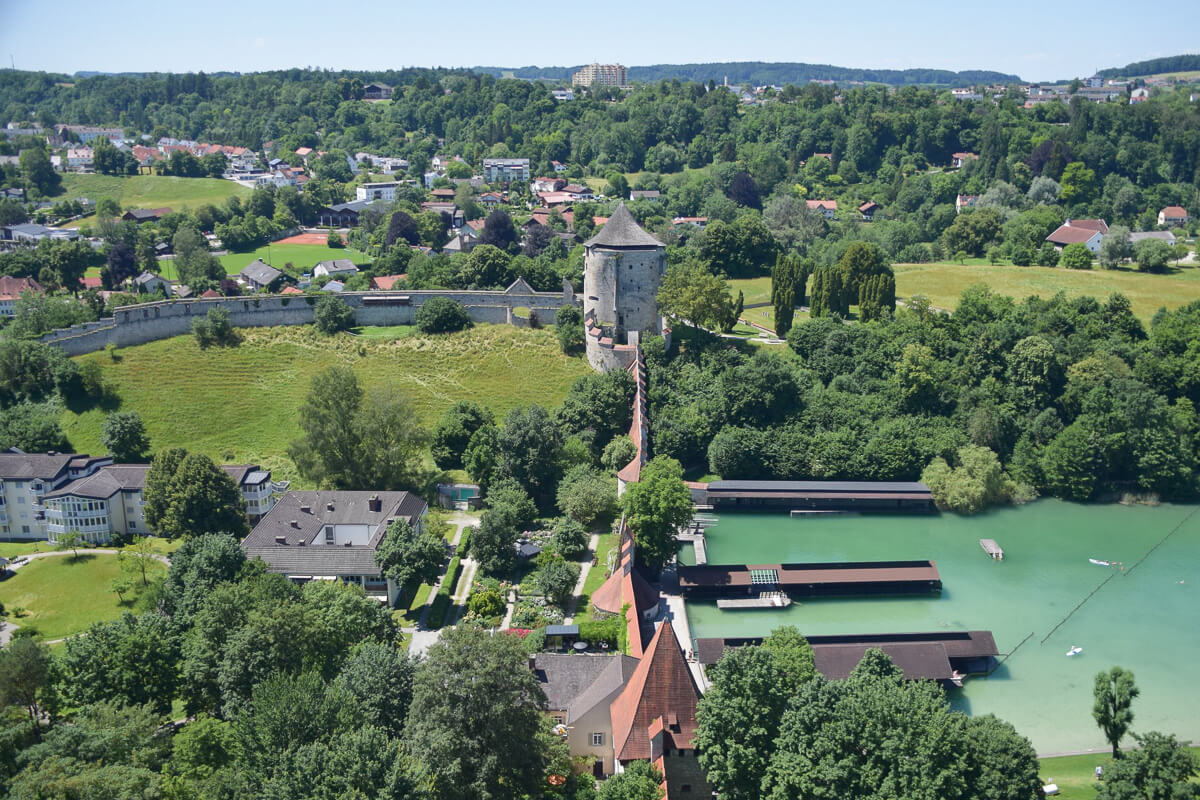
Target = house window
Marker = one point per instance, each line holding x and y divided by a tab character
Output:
598	739
24	529
559	719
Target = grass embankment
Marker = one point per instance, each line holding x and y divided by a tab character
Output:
943	283
240	405
64	595
595	577
163	547
1076	775
149	191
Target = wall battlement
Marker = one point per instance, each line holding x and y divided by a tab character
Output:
148	322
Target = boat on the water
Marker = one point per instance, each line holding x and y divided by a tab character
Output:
1100	563
1074	651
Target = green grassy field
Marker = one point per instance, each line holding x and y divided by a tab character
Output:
13	549
240	405
1076	775
150	191
386	332
943	283
301	256
64	595
595	576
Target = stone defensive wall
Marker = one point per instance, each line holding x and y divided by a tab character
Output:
148	322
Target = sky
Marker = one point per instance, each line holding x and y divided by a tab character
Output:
1035	39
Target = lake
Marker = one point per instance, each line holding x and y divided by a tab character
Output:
1146	618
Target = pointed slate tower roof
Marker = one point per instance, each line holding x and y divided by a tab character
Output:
661	687
622	231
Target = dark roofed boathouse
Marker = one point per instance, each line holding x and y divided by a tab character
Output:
877	496
941	655
811	580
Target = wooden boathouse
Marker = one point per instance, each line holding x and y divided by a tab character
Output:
863	496
810	580
940	656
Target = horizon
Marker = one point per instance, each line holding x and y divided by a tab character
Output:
231	37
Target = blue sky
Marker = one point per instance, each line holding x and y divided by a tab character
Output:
1036	39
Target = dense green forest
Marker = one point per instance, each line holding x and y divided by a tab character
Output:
759	73
1153	67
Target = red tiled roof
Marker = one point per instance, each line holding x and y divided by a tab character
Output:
1090	224
210	293
1174	212
290	290
91	282
385	282
661	686
1071	234
11	288
832	204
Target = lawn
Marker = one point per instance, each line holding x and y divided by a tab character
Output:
163	547
385	332
150	191
943	283
1076	775
240	405
64	596
301	257
595	576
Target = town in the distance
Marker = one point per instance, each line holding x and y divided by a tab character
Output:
746	430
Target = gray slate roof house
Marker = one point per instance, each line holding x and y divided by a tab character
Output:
622	231
259	275
332	535
335	268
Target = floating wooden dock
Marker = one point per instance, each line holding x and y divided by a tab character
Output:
992	549
764	600
695	535
810	580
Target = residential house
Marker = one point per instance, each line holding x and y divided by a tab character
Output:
333	535
385	283
429	177
336	287
11	290
140	215
150	283
259	276
385	191
210	294
79	158
552	199
539	185
342	215
826	208
695	222
580	690
960	159
505	170
965	201
1139	96
1089	232
868	210
449	210
291	290
443	195
645	194
111	501
558	166
31	233
336	268
86	133
490	200
26	478
460	242
377	91
1172	217
562	95
579	191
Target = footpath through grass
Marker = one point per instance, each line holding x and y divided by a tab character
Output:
64	595
595	577
240	405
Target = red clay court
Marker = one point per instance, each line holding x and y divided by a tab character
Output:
306	238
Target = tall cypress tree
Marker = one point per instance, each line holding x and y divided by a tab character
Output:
783	293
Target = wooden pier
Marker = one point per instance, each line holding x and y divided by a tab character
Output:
992	549
695	535
810	580
764	600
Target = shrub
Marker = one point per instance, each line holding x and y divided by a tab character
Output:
334	239
442	315
1076	256
214	328
569	538
333	315
568	325
602	630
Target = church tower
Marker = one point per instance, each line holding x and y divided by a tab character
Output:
622	269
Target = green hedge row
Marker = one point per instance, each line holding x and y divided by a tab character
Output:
441	603
463	543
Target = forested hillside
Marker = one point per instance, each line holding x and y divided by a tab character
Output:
760	73
1153	67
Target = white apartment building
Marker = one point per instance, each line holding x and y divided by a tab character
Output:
602	74
506	170
26	479
109	501
377	191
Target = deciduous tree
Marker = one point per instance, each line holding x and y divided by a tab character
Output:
656	507
1112	707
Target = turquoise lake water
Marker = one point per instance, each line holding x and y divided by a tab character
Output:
1146	618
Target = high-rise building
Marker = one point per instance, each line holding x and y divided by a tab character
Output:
603	74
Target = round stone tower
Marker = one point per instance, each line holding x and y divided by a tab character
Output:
622	268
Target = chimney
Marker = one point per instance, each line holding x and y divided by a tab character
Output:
329	506
305	509
374	504
280	540
346	544
301	543
296	524
531	662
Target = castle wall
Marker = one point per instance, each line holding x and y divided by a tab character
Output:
138	324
